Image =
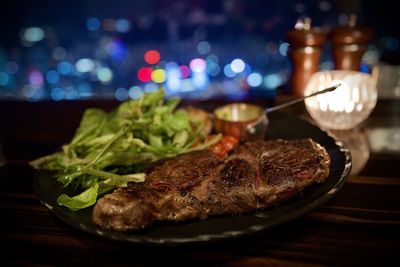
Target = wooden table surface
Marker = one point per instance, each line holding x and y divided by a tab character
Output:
360	225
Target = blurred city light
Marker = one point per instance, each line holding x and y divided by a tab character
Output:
57	94
4	78
254	79
121	94
185	71
152	57
84	65
135	92
204	52
52	76
36	78
104	75
197	65
144	74
93	24
11	67
158	76
33	34
64	68
228	71
204	48
272	81
237	65
122	25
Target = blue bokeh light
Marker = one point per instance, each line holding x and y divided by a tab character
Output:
173	77
93	24
59	53
4	78
64	68
213	69
52	76
57	94
150	87
254	79
228	71
204	47
104	75
122	25
135	92
84	65
121	94
283	48
237	65
272	81
71	93
116	49
32	34
199	80
85	90
12	67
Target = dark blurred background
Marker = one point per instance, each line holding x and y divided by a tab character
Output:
67	50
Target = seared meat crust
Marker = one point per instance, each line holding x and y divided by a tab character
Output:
257	174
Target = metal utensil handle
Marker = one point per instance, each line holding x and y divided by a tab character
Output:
284	105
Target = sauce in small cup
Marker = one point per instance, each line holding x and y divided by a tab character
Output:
241	120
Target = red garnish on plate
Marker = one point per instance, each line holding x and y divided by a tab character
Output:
224	146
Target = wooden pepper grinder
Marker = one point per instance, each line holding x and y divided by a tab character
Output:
304	51
349	44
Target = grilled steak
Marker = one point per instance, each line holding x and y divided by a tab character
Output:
255	175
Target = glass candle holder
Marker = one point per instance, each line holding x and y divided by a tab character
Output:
347	106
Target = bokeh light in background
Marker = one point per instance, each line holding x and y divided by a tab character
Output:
33	34
158	76
202	50
237	65
197	65
84	65
52	76
204	47
104	75
254	79
173	77
93	24
135	92
185	71
152	57
144	74
122	25
121	94
64	68
35	78
228	71
4	78
57	94
272	81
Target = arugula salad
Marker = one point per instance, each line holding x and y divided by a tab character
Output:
110	149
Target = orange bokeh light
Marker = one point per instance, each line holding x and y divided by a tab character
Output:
152	57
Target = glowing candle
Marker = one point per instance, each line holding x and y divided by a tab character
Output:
348	105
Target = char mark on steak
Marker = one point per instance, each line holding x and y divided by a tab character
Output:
257	174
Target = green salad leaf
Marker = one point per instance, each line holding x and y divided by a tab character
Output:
109	149
83	200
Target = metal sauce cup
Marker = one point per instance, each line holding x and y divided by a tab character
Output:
241	120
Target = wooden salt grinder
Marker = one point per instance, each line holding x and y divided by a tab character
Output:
349	44
304	51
